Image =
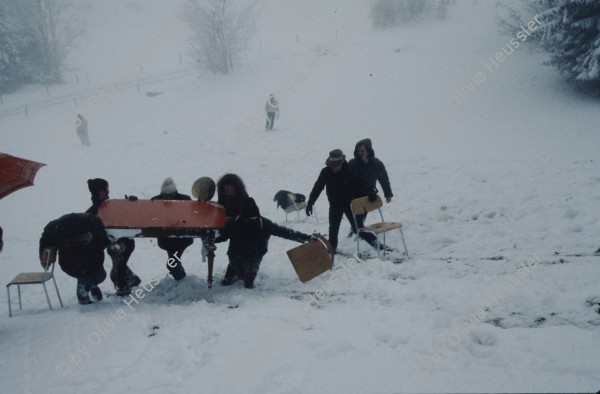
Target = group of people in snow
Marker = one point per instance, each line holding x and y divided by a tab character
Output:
81	237
344	181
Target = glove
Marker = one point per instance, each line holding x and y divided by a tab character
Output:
48	255
372	197
131	198
117	247
309	210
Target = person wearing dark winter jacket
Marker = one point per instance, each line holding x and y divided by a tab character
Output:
121	275
80	239
341	188
1	241
174	246
370	169
231	194
248	236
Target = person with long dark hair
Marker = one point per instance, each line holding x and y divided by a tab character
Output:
231	194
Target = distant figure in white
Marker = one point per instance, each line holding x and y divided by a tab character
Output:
81	125
272	110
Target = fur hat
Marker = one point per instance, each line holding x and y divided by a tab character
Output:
250	209
203	189
97	184
335	157
168	186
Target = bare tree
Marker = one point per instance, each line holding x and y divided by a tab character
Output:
387	13
51	32
220	31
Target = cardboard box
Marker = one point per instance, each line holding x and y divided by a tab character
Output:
312	259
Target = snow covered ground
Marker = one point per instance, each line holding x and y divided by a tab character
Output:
494	168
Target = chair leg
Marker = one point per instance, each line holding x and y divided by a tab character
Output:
298	213
9	308
47	298
57	293
316	217
19	292
404	243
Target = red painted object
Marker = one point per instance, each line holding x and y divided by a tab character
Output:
160	218
16	173
165	218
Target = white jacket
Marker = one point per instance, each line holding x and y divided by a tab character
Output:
272	105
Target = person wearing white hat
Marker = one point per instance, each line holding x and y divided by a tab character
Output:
174	246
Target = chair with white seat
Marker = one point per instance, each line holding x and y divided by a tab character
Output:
36	278
361	206
294	206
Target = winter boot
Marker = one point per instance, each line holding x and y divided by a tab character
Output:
132	279
123	291
82	295
96	294
249	280
231	275
178	272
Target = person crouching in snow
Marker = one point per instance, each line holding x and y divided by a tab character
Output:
80	239
248	236
272	110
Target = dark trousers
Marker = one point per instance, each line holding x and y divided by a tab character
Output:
335	219
270	120
245	263
92	279
121	270
175	248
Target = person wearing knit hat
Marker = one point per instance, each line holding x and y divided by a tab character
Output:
248	236
341	188
121	275
168	186
173	246
98	187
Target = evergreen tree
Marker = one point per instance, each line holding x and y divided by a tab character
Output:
571	33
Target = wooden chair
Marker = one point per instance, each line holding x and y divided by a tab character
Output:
297	207
39	278
361	206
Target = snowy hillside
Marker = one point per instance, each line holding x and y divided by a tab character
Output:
494	168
